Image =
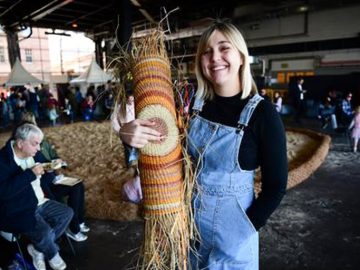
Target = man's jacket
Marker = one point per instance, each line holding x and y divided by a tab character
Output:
18	201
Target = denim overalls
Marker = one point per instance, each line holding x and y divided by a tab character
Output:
224	192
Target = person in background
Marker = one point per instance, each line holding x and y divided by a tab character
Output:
232	132
298	94
264	95
355	126
33	102
109	103
277	101
23	201
131	189
4	111
20	107
122	115
68	110
327	110
346	109
75	194
88	108
79	101
12	102
52	108
43	95
108	86
91	91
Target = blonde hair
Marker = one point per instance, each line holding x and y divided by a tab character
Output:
205	89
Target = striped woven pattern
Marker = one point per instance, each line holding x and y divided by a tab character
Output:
163	165
160	162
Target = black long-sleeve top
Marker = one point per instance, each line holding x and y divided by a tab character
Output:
263	144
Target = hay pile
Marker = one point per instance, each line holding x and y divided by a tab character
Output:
95	154
306	151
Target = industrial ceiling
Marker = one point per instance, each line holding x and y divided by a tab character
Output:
101	18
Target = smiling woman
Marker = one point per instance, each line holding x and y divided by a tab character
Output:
231	133
229	138
221	62
223	51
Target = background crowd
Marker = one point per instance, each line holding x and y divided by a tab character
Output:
70	105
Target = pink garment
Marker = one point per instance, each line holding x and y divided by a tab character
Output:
118	119
114	119
131	190
355	133
129	115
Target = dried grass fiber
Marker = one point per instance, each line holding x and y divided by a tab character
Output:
166	233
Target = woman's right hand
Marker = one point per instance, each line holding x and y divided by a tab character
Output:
138	133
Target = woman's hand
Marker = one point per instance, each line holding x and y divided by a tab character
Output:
138	133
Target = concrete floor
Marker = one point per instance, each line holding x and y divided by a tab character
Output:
315	227
317	224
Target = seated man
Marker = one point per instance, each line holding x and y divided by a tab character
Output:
326	111
23	206
75	194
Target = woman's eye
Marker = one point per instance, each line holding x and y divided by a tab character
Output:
224	48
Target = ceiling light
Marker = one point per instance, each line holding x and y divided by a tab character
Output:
57	33
303	8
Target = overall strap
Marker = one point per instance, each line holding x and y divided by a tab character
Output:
198	104
247	112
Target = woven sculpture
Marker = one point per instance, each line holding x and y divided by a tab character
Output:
166	237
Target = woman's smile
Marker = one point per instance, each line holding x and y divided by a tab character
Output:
221	63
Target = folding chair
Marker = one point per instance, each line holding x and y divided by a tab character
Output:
70	244
15	238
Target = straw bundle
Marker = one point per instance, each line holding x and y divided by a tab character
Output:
160	163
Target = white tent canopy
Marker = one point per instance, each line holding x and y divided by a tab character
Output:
94	74
20	76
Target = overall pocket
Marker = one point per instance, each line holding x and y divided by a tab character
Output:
234	233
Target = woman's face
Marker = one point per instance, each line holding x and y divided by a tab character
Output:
220	64
130	100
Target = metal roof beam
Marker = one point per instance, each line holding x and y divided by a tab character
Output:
43	11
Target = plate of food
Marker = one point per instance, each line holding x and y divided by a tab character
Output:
49	166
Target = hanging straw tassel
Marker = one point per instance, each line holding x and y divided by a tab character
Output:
166	237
